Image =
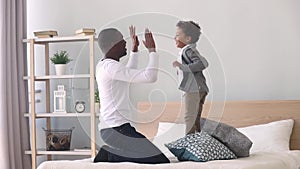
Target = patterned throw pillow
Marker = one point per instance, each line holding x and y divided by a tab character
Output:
236	141
199	147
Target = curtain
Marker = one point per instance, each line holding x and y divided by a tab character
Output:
14	133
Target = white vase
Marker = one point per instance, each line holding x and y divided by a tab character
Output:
60	69
97	107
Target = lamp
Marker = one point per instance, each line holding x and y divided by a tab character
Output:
60	100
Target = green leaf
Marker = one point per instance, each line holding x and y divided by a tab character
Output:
61	57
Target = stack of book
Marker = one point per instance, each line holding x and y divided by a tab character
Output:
45	33
85	32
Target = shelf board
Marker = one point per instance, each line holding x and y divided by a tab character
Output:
60	39
78	76
71	152
43	115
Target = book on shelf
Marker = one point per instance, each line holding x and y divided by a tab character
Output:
45	33
85	30
85	34
44	36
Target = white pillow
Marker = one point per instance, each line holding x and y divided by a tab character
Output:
168	132
164	128
270	137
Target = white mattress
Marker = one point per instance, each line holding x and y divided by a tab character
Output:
282	160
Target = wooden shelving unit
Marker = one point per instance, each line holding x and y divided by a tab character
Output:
41	78
44	152
43	115
33	115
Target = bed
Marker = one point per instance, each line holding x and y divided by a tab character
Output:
236	113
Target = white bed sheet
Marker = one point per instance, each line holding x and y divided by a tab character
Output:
282	160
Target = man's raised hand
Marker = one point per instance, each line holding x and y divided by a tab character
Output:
149	41
134	39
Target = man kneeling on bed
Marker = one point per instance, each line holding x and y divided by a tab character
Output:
124	143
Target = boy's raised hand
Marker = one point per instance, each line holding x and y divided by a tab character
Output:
176	64
134	39
149	41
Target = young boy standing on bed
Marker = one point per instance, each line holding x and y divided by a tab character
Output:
190	66
124	143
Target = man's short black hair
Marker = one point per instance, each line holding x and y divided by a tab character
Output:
191	29
107	38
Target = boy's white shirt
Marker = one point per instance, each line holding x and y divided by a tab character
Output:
113	79
180	73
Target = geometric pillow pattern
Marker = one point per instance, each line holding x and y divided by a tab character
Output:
199	147
236	141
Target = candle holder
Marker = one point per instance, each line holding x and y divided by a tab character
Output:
60	99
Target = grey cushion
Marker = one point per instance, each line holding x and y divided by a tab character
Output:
199	147
237	142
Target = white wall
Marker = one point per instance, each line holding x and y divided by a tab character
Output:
254	43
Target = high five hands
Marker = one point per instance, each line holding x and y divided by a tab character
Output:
134	39
148	42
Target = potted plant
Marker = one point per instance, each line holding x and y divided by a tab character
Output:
60	59
97	102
